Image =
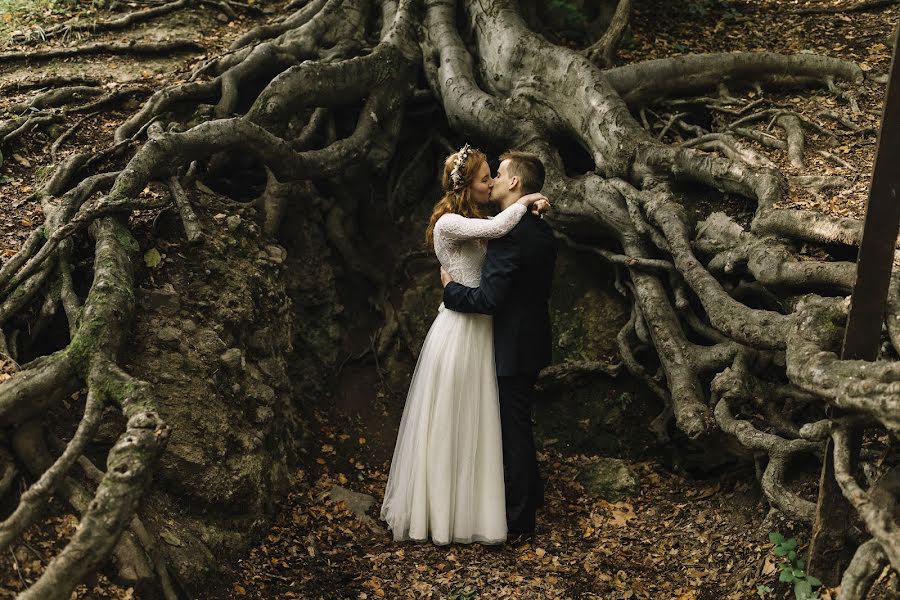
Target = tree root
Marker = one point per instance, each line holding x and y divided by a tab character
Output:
192	228
779	451
35	498
35	387
603	51
55	97
49	82
709	298
870	388
13	128
867	563
54	147
862	6
9	472
31	448
877	511
695	74
617	259
132	557
64	30
297	19
795	142
729	147
140	49
567	374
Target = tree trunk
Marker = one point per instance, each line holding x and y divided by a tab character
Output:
727	324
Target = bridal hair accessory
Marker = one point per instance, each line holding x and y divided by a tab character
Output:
456	175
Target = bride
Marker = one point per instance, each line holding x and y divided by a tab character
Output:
446	476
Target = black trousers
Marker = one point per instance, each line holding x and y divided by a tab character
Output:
524	489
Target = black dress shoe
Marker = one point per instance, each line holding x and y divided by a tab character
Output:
518	537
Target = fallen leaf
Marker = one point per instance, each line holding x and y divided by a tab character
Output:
152	258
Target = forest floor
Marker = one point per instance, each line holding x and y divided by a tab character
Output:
677	537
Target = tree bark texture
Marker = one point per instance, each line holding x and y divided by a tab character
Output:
727	320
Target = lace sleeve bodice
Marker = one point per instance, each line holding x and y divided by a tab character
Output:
458	241
453	227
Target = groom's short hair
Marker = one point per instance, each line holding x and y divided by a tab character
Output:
528	168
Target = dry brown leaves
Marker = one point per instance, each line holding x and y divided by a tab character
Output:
769	25
677	538
26	559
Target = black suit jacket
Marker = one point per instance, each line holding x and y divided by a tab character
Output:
515	289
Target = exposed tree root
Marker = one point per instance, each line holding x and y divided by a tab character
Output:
865	567
861	6
102	48
711	300
872	388
68	133
603	51
877	510
64	30
48	82
695	74
34	499
567	374
55	97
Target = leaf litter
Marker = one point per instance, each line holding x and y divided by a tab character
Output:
677	538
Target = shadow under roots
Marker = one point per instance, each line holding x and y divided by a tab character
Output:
700	201
576	160
240	177
39	336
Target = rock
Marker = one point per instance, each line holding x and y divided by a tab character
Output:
356	503
170	538
273	369
610	479
208	341
233	358
261	392
276	253
233	222
261	340
164	299
169	334
189	326
264	414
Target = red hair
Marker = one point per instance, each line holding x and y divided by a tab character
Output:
459	202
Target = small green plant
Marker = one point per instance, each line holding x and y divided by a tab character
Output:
792	569
763	590
466	593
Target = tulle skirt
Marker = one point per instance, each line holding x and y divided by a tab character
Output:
446	476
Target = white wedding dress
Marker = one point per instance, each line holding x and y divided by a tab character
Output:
446	477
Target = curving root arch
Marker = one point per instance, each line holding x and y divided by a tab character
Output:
726	320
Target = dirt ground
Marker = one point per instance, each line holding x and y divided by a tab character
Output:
677	538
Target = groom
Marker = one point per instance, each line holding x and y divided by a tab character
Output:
515	288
